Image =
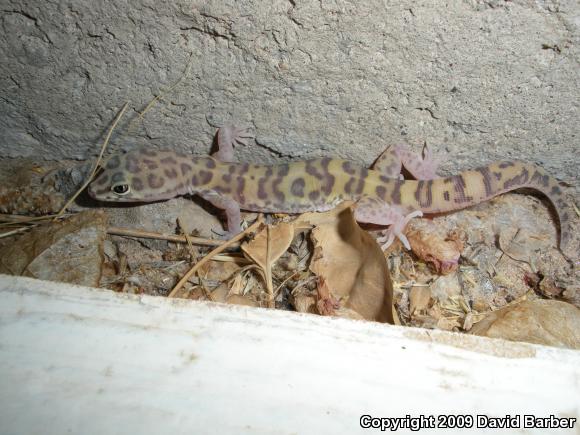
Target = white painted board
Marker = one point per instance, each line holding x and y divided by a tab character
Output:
85	361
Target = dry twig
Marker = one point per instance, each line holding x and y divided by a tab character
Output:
169	90
209	256
169	237
268	271
97	163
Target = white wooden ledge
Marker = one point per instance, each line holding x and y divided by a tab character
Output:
86	361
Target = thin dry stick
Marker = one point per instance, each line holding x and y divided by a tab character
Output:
268	271
209	256
19	230
27	222
171	88
20	219
169	237
303	283
232	258
97	163
292	275
187	239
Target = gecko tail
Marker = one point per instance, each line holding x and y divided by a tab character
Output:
481	184
516	175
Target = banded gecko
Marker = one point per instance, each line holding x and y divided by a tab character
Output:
381	196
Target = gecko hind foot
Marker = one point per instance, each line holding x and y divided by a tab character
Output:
396	230
374	210
231	134
421	166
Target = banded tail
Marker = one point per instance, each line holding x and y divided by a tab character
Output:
481	184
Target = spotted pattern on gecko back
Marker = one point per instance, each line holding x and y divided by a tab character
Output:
312	185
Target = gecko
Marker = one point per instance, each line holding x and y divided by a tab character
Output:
380	194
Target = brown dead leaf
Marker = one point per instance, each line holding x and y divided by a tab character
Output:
419	298
220	293
351	264
281	236
435	311
548	322
267	247
447	324
242	300
572	295
522	244
312	219
218	270
468	322
237	284
348	313
327	303
441	253
304	303
549	288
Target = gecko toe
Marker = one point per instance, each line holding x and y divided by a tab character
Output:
387	240
241	135
404	241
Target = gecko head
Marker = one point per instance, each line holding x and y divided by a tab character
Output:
137	176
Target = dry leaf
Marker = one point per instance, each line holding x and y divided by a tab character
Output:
280	235
468	322
242	300
419	298
237	284
441	253
435	312
220	293
351	264
547	322
447	324
267	247
312	219
348	313
327	304
304	303
218	270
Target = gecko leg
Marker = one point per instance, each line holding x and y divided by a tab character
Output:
422	167
376	211
232	209
227	137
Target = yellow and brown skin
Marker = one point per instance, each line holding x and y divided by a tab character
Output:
315	185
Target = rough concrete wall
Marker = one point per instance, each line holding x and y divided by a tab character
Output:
477	80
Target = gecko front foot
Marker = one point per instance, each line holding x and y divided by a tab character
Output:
227	137
231	208
222	234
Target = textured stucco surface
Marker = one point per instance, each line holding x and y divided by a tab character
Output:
477	80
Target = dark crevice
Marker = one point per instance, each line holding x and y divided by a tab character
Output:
16	82
430	111
31	18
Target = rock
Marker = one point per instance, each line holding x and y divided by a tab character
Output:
67	251
378	74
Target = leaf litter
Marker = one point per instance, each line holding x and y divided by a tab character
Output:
492	269
325	264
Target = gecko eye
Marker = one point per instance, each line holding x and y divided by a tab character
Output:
121	189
